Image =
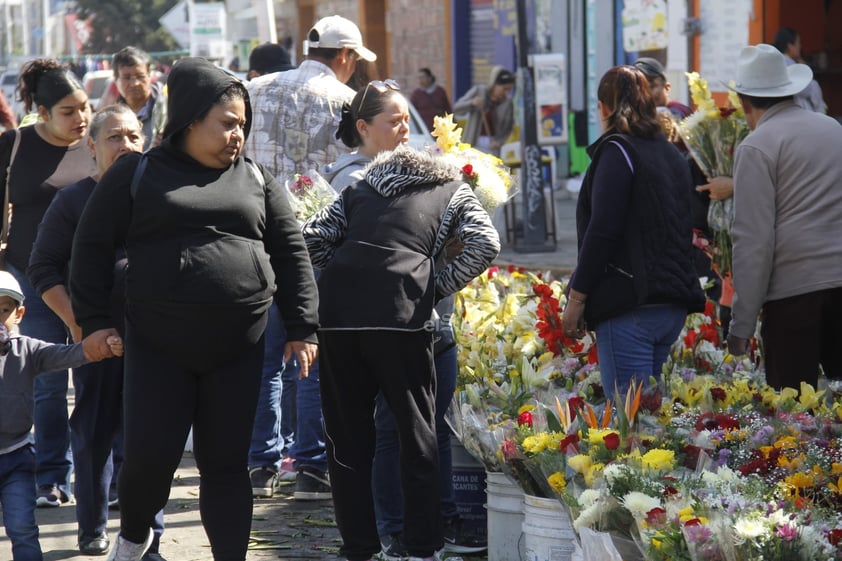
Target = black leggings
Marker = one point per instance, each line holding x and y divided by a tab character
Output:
161	400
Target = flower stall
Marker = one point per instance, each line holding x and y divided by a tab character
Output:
707	463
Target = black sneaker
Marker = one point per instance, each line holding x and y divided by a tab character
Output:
393	548
263	482
50	495
457	541
312	485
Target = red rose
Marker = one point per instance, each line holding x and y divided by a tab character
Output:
468	170
525	418
693	522
656	516
568	441
612	440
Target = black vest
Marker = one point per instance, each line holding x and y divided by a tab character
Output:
657	250
382	276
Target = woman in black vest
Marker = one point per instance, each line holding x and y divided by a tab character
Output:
376	246
635	280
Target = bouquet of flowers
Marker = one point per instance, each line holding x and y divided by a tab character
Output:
308	194
485	173
712	135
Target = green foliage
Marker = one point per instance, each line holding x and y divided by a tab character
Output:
121	23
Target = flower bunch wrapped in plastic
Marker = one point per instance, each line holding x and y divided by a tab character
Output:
308	194
712	135
485	173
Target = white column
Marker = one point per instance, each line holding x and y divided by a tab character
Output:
265	11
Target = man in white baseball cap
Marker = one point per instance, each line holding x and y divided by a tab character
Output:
336	32
787	226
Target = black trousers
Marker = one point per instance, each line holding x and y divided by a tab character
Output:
354	367
799	333
161	400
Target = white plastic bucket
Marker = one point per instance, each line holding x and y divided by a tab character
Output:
547	530
505	516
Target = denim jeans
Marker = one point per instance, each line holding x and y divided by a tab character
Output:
309	446
52	431
636	344
386	482
273	402
17	496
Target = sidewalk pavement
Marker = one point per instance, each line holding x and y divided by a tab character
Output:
559	260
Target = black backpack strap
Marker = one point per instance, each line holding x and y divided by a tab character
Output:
138	173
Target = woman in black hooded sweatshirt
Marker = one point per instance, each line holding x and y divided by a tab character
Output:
210	240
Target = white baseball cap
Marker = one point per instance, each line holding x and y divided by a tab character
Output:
336	32
9	287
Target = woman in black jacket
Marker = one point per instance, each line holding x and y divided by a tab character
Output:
377	246
210	240
635	279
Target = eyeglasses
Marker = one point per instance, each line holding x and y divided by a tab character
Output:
381	86
133	77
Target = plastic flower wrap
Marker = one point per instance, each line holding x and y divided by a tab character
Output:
712	135
485	173
308	194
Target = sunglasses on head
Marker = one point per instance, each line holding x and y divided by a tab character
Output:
381	86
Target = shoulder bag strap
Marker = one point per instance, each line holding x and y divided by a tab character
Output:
4	233
138	173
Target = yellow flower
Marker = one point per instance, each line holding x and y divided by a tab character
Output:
525	407
593	472
658	459
446	133
557	482
598	436
580	463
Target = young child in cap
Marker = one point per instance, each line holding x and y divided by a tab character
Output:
21	359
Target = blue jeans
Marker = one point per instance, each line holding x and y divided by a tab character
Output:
52	431
636	344
386	482
17	497
274	403
309	446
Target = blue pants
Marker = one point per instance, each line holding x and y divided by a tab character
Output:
266	439
309	446
52	431
386	478
17	497
636	344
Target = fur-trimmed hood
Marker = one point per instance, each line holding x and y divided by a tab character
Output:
392	172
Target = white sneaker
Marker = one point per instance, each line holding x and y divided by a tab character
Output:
124	550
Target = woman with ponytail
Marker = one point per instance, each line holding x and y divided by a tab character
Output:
376	120
48	156
635	280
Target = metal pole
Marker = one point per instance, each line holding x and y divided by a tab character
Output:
534	215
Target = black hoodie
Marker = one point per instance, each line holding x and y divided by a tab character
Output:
206	247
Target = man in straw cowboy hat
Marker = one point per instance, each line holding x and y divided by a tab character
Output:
787	223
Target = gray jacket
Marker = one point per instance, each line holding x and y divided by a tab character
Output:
27	358
787	210
504	116
347	169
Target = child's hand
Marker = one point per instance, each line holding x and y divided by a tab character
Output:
98	345
115	343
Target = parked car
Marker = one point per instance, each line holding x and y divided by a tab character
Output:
96	83
419	136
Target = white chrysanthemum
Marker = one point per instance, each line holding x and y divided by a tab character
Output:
615	471
588	517
588	498
749	528
640	503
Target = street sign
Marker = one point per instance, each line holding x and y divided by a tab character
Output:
176	22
